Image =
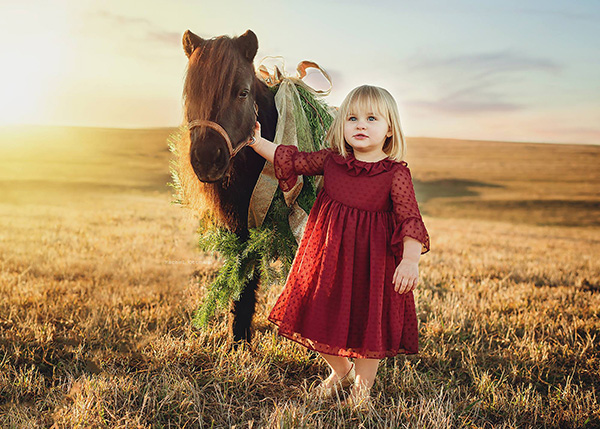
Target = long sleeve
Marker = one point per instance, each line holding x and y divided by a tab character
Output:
289	163
406	212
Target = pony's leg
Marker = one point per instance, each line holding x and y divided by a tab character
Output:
242	312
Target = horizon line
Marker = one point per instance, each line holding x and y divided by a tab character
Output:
139	128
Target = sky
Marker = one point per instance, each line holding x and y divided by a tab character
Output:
471	69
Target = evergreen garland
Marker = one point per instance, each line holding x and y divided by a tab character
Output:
272	241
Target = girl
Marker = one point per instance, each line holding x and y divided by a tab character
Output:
349	291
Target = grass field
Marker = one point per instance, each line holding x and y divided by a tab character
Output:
99	277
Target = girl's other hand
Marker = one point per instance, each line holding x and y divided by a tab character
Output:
406	276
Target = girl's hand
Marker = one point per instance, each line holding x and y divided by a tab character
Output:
406	276
261	146
257	130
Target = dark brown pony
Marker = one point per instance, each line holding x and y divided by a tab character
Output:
222	95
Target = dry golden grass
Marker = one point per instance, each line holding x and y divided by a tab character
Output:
99	278
516	182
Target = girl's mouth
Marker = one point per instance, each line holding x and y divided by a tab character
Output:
360	136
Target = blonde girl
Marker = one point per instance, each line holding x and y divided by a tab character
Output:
349	291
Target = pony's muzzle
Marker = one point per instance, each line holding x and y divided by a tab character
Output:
209	154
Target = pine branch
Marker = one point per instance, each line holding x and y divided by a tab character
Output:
273	241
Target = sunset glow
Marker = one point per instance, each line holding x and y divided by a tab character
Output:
24	83
34	50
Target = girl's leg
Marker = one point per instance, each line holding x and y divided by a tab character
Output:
340	366
366	371
341	374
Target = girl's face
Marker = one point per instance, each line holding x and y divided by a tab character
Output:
366	132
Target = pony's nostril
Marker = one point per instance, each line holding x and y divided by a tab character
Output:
218	155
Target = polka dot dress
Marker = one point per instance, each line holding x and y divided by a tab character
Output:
339	298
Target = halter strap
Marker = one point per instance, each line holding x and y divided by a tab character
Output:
218	128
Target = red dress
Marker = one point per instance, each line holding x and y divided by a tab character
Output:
339	298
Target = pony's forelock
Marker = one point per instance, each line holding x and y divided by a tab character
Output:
211	80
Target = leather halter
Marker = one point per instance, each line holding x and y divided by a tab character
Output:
219	129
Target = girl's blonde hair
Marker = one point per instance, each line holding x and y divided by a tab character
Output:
368	98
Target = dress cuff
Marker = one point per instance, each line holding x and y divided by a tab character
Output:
411	227
284	166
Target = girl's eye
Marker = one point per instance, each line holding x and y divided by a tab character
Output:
352	118
371	118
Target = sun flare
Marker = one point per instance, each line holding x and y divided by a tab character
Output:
20	87
32	59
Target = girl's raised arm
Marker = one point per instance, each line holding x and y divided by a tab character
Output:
262	146
290	162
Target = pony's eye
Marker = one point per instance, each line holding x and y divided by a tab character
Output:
244	93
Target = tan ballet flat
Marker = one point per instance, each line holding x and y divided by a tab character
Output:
326	390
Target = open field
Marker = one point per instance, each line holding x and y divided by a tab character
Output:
99	277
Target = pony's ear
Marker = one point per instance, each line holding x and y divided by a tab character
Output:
191	42
247	43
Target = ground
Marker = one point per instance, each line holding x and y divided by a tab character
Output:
100	276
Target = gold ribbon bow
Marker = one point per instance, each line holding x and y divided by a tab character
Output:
291	123
277	76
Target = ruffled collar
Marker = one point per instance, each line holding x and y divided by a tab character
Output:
356	167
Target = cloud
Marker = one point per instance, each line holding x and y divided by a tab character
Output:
141	29
123	20
561	14
169	38
484	64
462	106
476	83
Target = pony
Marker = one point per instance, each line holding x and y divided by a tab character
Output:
223	99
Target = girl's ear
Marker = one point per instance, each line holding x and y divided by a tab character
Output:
389	133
